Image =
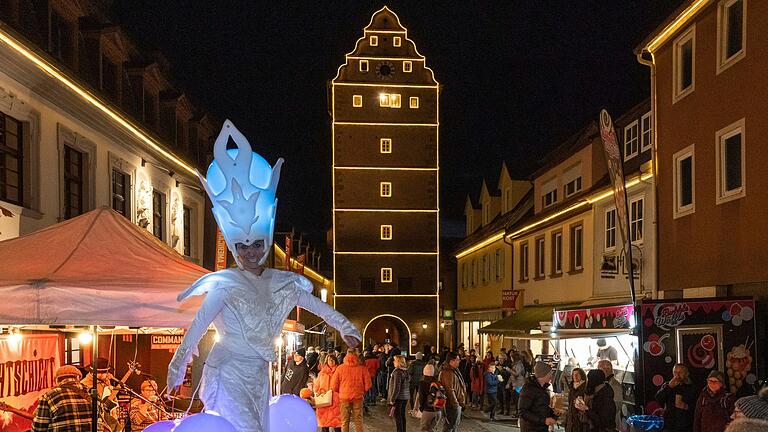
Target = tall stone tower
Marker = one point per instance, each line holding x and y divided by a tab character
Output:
384	104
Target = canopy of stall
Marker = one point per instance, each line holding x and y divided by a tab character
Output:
95	269
570	335
524	320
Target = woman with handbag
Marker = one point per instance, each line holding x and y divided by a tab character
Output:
328	412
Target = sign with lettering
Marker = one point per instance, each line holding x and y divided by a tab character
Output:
509	299
166	342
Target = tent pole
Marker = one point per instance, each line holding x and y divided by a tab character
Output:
95	388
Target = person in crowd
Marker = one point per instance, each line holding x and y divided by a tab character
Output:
313	361
574	421
618	392
296	374
714	406
382	375
395	351
433	354
488	359
477	376
148	410
755	406
747	425
371	362
399	391
430	416
491	390
455	392
678	397
517	375
351	380
566	376
504	369
328	417
535	413
66	407
598	407
415	371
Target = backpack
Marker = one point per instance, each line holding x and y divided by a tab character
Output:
436	397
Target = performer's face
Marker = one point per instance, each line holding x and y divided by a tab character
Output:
149	390
251	255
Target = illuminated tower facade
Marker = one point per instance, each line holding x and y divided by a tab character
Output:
385	187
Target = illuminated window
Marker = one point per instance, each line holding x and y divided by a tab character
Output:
407	66
730	162
394	101
413	101
732	27
386	232
357	101
397	41
684	65
631	140
384	100
386	274
363	65
385	189
374	40
385	145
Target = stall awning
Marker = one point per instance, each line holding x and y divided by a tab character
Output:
524	320
570	335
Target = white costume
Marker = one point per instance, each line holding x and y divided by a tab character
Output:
247	310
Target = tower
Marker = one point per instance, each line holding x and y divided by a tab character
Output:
384	108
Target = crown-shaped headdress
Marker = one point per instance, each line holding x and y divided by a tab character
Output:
242	186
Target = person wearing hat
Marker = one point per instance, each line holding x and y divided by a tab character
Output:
714	406
755	406
66	407
296	374
103	377
533	406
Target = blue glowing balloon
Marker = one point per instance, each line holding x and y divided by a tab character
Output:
205	423
163	426
291	413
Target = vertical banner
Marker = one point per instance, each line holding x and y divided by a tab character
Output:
288	252
26	373
616	172
300	263
221	251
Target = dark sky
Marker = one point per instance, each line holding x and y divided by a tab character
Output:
518	77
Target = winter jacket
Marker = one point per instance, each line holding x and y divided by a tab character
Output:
313	362
295	378
329	416
477	376
533	407
517	375
574	418
399	383
677	419
372	365
416	371
491	383
455	390
713	411
602	409
424	389
351	379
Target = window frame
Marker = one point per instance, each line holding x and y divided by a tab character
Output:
680	210
385	145
407	66
473	273
724	62
524	251
397	41
541	258
641	220
162	215
610	232
126	197
499	263
679	93
386	275
577	250
486	270
643	145
413	102
556	265
636	139
20	157
733	129
364	66
395	100
385	189
385	232
373	40
357	101
577	182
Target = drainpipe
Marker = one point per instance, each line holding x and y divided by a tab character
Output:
654	165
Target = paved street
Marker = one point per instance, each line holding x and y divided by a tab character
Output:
381	422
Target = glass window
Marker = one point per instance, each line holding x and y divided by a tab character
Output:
524	262
645	132
121	184
577	247
636	220
386	232
549	198
363	65
557	253
631	140
74	182
374	40
385	145
407	66
413	101
11	160
385	189
395	101
357	101
386	274
158	214
684	65
731	31
684	191
540	257
610	229
397	41
730	156
573	186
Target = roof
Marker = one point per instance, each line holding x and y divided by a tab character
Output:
95	269
524	320
661	27
576	142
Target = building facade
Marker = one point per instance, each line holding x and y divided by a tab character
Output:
89	120
384	108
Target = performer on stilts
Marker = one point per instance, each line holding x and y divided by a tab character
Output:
249	304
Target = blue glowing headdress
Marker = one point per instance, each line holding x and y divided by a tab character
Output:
242	186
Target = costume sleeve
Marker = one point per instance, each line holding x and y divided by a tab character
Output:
211	307
330	315
42	416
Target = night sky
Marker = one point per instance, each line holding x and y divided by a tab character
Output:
518	78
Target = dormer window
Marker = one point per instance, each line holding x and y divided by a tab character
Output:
397	41
374	40
549	193
572	180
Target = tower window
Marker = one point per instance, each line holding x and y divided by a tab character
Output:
407	66
413	101
394	101
385	145
384	100
386	274
363	65
397	41
357	101
374	40
385	189
386	232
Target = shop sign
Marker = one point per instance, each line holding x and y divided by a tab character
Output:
293	326
606	317
670	315
509	299
166	342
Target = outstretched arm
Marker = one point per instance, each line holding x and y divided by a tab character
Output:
212	305
349	332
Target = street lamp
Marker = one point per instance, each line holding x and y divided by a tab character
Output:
424	325
386	330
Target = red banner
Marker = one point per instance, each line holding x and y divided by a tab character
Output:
288	252
221	251
300	263
26	373
601	317
509	299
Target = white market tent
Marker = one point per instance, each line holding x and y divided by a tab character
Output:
95	269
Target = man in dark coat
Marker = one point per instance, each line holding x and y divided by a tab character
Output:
533	406
296	374
679	399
